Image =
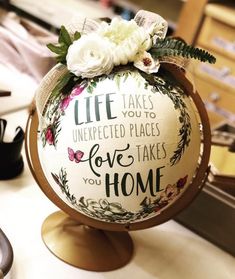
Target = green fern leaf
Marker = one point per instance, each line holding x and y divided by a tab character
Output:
176	47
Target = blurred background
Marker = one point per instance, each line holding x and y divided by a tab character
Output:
50	11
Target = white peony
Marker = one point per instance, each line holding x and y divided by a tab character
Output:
146	63
90	56
127	39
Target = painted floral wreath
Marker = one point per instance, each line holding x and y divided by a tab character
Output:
121	42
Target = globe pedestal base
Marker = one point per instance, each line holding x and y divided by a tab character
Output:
85	247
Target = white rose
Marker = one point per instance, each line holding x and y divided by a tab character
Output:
90	56
127	38
146	63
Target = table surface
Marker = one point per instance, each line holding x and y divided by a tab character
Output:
168	251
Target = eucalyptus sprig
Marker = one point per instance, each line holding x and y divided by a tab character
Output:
64	41
176	47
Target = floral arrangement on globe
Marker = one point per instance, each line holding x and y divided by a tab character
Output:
121	131
121	42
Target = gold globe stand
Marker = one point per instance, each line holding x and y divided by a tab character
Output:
95	245
85	247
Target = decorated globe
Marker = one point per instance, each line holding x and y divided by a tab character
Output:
119	148
119	134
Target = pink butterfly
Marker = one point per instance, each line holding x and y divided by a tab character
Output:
75	156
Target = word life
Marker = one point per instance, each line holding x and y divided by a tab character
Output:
91	108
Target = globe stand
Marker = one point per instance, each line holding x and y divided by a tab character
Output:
86	247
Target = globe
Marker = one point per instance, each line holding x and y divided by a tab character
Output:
115	153
120	148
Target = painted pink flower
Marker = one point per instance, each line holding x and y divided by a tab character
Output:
65	103
77	90
181	182
171	191
49	136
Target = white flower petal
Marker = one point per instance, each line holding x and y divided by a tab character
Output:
127	38
90	56
146	63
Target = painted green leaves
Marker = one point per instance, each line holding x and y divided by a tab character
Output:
164	84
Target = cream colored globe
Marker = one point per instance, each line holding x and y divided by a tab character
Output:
120	148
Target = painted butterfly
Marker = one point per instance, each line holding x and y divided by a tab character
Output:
75	156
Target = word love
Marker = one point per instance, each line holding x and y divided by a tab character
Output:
117	157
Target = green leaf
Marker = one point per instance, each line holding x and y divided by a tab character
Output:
126	76
62	82
64	36
76	36
90	89
61	59
93	84
118	80
64	42
56	49
176	47
61	51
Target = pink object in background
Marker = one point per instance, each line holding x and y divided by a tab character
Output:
106	3
23	46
